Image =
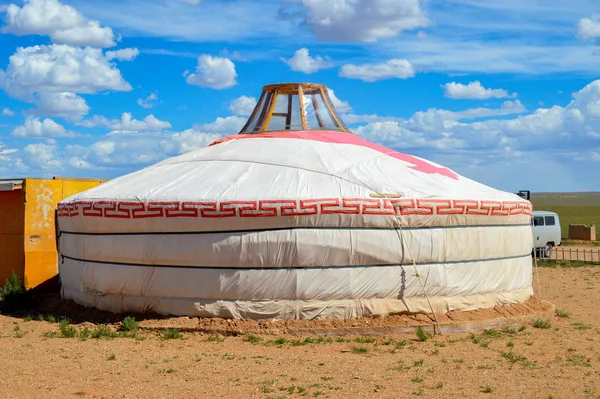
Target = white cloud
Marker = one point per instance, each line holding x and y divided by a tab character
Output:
589	28
51	76
4	152
7	112
362	20
214	72
59	68
65	104
33	127
242	106
124	54
125	150
188	140
303	62
63	23
474	91
127	123
396	68
149	101
340	106
227	125
42	156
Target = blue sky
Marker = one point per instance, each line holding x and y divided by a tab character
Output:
504	92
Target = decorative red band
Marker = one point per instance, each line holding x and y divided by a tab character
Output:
280	208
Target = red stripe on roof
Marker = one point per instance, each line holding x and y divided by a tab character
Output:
347	138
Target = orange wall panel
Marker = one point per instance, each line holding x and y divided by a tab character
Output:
27	227
40	234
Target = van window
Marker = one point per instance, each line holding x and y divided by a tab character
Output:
550	221
538	220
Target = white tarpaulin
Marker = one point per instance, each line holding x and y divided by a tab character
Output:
294	225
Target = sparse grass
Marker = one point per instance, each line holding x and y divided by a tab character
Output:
214	338
513	357
359	349
417	379
112	356
170	370
28	318
541	323
580	326
18	332
50	318
562	313
50	334
418	363
365	340
400	366
579	360
487	389
439	385
565	263
400	344
172	333
253	339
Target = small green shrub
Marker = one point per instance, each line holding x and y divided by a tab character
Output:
14	295
422	335
103	331
112	356
562	313
12	287
67	330
84	334
129	324
541	323
172	333
50	334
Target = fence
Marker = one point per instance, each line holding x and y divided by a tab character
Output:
573	254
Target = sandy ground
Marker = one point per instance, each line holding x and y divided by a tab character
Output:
562	361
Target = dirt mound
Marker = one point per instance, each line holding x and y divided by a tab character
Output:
50	303
455	321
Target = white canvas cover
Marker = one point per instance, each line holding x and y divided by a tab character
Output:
294	225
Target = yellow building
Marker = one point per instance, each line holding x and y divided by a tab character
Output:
27	225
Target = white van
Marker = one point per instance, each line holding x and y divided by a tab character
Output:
546	232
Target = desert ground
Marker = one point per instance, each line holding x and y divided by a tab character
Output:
557	359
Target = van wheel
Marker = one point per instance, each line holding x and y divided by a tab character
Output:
547	250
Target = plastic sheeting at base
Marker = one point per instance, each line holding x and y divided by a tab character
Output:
300	310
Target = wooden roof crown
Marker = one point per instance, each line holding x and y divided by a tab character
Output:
294	107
